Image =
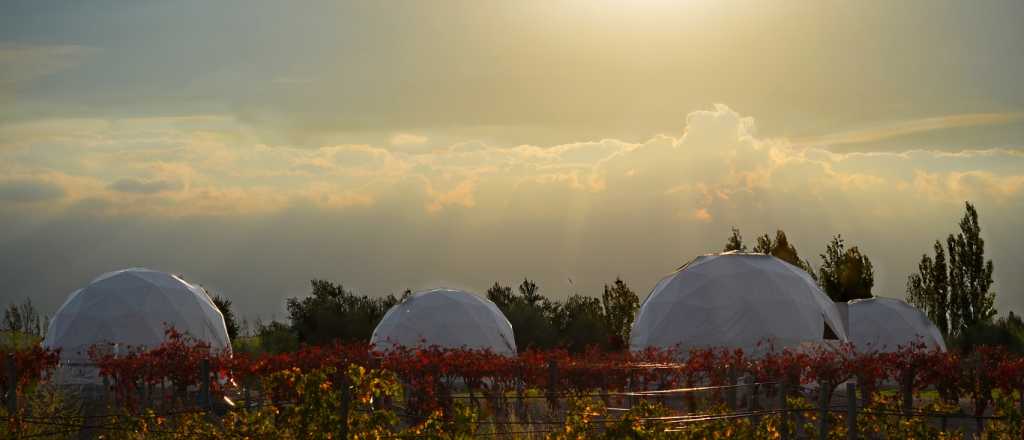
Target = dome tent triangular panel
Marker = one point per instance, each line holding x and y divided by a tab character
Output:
446	318
734	300
132	308
885	324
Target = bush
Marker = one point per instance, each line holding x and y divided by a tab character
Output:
1005	332
277	338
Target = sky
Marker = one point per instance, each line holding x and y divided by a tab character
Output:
252	146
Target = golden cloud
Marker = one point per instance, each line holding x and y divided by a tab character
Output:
211	164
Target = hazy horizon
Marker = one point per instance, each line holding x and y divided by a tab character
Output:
253	146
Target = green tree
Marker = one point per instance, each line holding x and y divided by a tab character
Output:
1014	322
581	324
532	319
845	274
13	321
530	292
928	289
333	313
224	305
970	275
782	249
956	295
735	242
620	304
534	325
501	296
575	324
23	318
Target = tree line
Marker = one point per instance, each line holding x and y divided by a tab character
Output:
952	286
333	313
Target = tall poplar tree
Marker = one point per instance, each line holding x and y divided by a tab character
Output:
956	295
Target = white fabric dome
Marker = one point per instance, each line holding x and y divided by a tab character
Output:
132	308
446	318
884	324
735	300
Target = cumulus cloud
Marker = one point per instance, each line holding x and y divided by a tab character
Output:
636	207
966	185
716	154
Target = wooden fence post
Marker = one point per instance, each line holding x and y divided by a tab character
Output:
496	398
752	404
520	392
783	411
907	389
346	399
823	404
730	392
851	411
106	391
246	392
798	430
604	390
553	383
204	377
662	398
865	396
12	385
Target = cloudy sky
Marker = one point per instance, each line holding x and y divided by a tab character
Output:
389	145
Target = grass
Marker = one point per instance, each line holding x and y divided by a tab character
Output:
251	344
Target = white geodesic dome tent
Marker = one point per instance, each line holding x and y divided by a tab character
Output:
446	318
132	308
885	324
735	300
